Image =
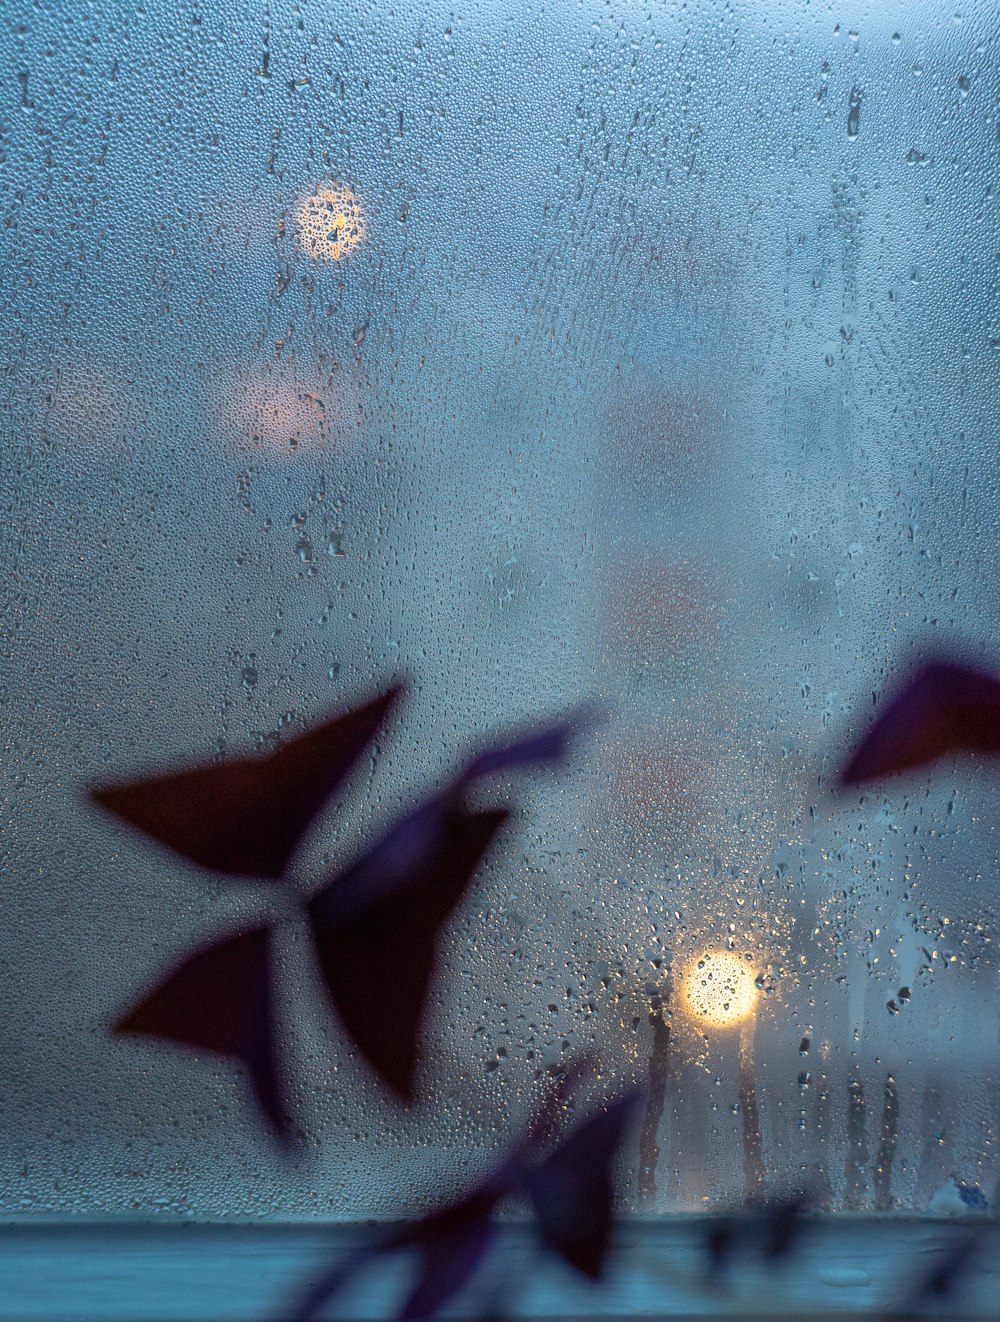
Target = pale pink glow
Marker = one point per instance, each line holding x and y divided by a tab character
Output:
278	414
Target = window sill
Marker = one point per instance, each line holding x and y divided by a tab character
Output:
98	1271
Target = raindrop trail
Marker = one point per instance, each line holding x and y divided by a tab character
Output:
886	1145
659	1073
753	1156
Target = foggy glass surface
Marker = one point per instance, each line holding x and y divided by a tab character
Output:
655	362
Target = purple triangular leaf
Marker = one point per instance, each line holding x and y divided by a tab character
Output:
548	745
451	1245
245	816
220	1000
376	928
943	708
572	1188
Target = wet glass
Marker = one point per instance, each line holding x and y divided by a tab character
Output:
644	353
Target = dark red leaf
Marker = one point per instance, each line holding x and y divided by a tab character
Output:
943	708
245	816
220	999
572	1188
376	928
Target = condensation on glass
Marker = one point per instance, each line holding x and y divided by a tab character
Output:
634	351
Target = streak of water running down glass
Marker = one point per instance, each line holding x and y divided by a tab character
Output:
645	353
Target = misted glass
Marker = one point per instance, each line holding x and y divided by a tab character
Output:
636	352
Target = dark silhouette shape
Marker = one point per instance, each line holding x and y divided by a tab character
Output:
220	999
245	816
721	1238
550	745
769	1226
450	1244
570	1188
783	1223
450	1250
376	928
946	1275
942	708
941	1282
375	925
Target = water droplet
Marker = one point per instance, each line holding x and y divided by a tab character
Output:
854	112
330	222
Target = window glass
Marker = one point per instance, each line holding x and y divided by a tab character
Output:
638	352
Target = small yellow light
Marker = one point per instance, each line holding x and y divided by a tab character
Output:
330	222
719	990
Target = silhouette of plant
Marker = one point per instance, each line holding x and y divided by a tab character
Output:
245	817
567	1181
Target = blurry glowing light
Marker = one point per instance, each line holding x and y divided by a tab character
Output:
719	990
330	222
274	413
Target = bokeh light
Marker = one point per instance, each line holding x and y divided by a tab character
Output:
330	222
719	990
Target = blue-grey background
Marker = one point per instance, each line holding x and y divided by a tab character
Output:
667	376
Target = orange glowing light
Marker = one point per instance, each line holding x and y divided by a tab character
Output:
330	222
719	990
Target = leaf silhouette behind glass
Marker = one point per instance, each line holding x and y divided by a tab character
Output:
245	816
450	1244
376	925
770	1227
376	928
220	999
550	745
572	1189
937	1284
943	708
784	1222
